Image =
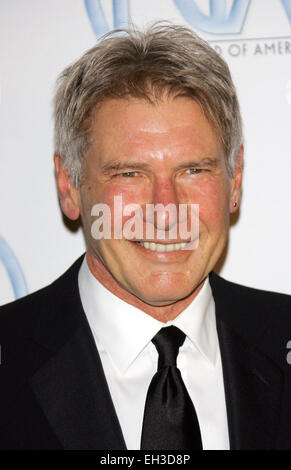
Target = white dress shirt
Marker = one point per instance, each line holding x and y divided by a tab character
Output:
123	336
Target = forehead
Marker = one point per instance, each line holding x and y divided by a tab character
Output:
135	126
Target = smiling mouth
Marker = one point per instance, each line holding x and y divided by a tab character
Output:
162	247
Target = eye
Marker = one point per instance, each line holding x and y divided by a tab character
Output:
194	171
128	174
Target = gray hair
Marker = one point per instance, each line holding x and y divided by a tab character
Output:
144	64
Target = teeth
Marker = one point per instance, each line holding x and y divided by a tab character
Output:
162	247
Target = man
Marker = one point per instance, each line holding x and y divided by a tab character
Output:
139	344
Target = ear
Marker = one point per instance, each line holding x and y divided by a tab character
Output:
68	194
236	182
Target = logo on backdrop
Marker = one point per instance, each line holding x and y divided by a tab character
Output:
121	15
13	269
219	21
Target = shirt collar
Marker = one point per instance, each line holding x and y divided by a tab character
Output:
124	330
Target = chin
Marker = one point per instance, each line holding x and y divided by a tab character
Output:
165	288
164	296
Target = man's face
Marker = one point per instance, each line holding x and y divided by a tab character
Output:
149	154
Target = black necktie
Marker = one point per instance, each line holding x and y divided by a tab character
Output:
170	421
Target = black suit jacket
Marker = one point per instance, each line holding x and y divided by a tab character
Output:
53	392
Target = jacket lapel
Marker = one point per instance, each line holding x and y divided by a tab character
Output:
253	385
71	387
253	382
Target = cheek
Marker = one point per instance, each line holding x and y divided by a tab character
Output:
130	194
116	196
212	197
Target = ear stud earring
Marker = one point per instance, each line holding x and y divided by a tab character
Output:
234	204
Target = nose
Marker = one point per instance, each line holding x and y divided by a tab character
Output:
165	200
164	192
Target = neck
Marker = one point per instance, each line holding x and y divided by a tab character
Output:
163	313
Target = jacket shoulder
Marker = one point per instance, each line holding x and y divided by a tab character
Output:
19	316
220	284
253	312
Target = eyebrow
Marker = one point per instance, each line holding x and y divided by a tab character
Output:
119	165
206	161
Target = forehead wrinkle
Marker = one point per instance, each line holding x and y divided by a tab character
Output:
157	127
165	141
147	130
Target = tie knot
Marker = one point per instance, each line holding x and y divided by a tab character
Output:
168	341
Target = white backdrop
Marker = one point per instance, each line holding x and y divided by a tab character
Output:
39	38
